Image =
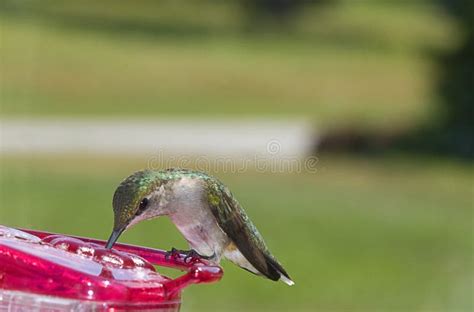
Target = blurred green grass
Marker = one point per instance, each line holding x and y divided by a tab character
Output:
357	235
366	63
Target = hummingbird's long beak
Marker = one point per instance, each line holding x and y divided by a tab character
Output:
113	237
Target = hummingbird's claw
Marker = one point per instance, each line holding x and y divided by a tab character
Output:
192	255
195	256
208	257
173	253
189	255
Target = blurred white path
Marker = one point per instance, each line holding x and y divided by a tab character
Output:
230	138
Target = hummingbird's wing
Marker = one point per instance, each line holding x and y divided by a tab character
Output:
233	220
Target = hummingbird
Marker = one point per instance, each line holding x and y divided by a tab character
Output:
205	212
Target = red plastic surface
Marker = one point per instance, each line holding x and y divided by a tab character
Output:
81	268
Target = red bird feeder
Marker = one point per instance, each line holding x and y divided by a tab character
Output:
44	271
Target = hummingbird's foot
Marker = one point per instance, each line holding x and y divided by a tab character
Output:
194	256
189	255
173	253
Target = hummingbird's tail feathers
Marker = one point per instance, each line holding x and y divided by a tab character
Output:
277	270
244	236
286	280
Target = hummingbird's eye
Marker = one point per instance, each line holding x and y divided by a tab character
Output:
142	206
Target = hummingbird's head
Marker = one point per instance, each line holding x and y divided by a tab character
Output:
132	198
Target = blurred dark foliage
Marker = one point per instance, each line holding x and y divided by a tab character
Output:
456	86
358	141
276	12
452	134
